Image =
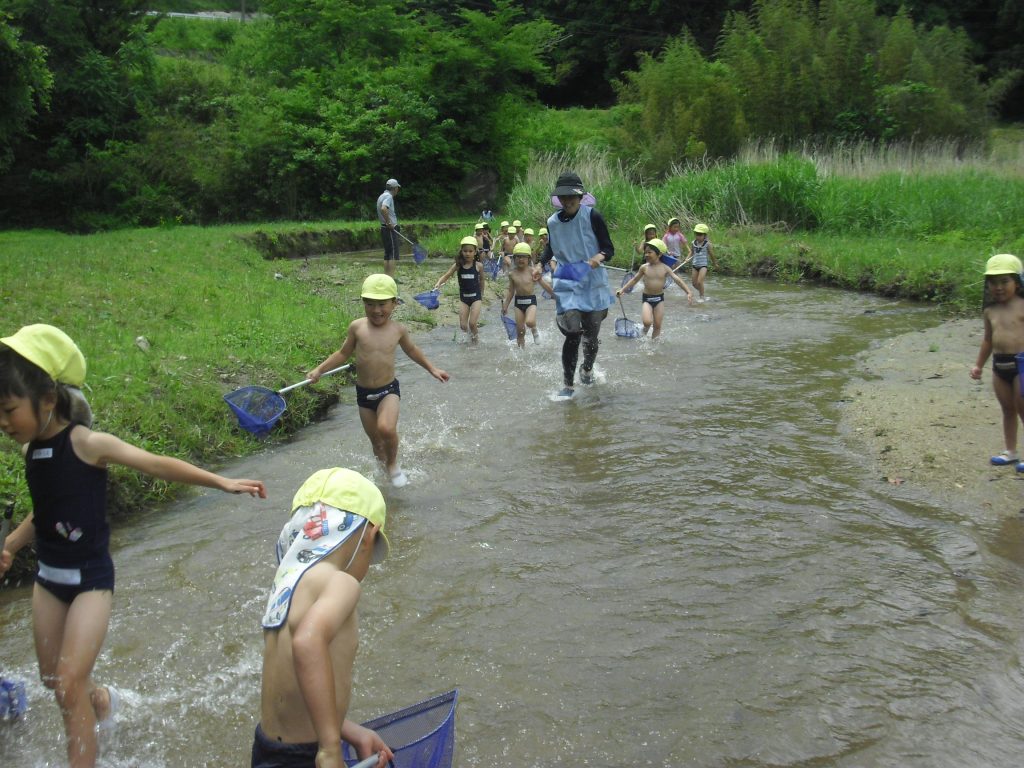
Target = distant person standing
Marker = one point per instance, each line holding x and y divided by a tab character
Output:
389	224
578	235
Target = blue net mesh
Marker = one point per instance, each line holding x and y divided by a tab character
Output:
510	327
627	329
421	736
257	408
428	299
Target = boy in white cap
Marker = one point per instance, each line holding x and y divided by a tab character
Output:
310	626
373	339
388	218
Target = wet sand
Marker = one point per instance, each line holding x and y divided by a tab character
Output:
926	423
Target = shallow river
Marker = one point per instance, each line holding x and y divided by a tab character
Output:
687	565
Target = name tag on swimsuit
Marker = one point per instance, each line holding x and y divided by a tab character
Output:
67	576
42	453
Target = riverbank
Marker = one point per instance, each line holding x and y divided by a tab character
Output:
926	423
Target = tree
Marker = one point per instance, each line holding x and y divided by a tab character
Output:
25	85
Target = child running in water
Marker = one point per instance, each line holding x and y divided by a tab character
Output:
506	246
373	339
521	282
700	253
1004	339
675	240
471	285
654	274
42	408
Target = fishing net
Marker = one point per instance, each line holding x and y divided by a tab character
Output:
419	253
428	299
257	408
626	328
625	279
421	736
510	327
13	701
492	266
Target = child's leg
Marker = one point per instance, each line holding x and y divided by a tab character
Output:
474	317
464	316
68	640
646	315
520	327
387	431
1007	395
698	280
369	419
531	320
658	314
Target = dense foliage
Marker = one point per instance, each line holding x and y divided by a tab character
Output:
118	117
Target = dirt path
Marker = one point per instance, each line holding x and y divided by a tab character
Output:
927	423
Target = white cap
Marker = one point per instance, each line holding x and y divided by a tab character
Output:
392	183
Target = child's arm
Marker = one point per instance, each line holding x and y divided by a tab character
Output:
348	347
985	351
682	284
314	667
508	297
416	355
21	536
711	255
101	449
633	280
445	277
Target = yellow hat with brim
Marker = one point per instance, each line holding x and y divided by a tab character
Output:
52	350
542	231
517	223
701	229
348	491
672	221
1003	264
658	244
504	223
527	231
480	225
649	226
380	287
522	249
468	240
512	230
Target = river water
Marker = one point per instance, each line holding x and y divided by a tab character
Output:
686	565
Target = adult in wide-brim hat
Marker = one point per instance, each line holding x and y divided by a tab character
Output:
579	242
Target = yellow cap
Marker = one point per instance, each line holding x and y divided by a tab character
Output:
672	221
468	240
480	225
380	287
350	492
522	249
52	350
649	226
517	223
701	229
512	230
527	231
542	231
1003	264
504	223
658	245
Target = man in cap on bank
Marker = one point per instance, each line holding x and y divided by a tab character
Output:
388	218
579	242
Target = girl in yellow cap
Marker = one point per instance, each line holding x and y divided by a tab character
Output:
471	286
43	409
701	254
1004	340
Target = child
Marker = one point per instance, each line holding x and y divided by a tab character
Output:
528	238
471	285
507	244
675	239
650	232
43	409
518	231
311	628
700	252
542	246
372	339
483	240
520	288
1003	339
654	273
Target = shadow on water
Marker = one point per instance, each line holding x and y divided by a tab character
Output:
685	565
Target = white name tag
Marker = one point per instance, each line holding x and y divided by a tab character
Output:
42	453
67	576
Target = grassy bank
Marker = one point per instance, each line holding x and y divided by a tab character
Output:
171	319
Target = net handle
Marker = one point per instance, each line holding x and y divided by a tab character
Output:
370	762
304	382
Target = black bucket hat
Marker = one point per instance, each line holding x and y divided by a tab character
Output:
569	184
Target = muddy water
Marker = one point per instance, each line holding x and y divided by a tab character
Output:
686	565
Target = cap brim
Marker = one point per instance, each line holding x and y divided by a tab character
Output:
377	297
567	191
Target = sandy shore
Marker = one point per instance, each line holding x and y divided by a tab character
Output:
927	423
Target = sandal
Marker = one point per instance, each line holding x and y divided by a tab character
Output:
1004	459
